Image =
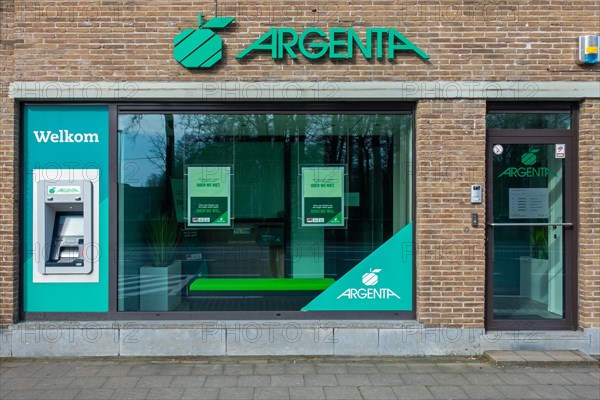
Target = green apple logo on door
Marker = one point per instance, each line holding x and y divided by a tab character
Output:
200	48
529	158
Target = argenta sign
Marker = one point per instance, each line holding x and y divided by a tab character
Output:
337	43
203	48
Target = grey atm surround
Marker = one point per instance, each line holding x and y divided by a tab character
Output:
65	222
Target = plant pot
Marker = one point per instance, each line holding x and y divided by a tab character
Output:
160	287
534	278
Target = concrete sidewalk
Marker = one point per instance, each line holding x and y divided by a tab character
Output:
290	378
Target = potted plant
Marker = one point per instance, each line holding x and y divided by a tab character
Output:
160	288
534	268
539	242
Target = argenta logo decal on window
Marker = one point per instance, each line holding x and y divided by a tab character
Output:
203	48
380	282
369	279
528	159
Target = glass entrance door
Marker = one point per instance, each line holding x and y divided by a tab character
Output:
530	231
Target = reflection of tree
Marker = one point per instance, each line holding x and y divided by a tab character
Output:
133	127
529	120
364	143
157	157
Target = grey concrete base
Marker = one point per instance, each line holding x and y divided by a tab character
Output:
168	342
5	344
536	340
275	338
419	341
61	339
550	358
594	334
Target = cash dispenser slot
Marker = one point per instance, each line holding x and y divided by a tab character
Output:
66	218
67	247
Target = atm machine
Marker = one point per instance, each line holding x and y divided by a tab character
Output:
65	215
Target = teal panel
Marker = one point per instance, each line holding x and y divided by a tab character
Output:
66	154
380	282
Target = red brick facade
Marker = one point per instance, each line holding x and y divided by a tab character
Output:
467	40
589	215
451	254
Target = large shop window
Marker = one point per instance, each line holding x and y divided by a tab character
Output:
259	212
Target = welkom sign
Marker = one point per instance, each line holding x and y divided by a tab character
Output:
202	48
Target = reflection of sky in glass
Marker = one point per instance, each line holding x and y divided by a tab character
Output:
136	146
142	136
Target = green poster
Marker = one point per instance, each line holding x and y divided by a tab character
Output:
209	196
323	196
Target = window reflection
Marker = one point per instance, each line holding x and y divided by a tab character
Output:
210	267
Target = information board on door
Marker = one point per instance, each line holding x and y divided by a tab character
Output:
525	203
209	196
323	196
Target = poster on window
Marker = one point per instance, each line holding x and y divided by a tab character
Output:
209	196
323	196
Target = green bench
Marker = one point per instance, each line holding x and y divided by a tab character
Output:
266	286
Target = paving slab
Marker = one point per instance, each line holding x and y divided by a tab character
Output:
25	394
281	378
61	394
236	394
377	393
200	394
584	391
307	393
448	392
342	393
482	392
571	357
254	381
272	393
94	394
412	392
547	358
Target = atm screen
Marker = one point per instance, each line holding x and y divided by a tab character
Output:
70	225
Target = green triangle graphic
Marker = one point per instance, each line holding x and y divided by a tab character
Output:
222	219
337	220
363	288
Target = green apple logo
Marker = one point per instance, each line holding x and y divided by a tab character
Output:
51	190
371	278
529	158
200	48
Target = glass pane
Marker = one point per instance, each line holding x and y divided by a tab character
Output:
528	258
244	266
529	121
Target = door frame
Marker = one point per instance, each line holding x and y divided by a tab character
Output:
537	136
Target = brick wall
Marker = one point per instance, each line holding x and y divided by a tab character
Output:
9	286
589	214
126	40
466	39
451	254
